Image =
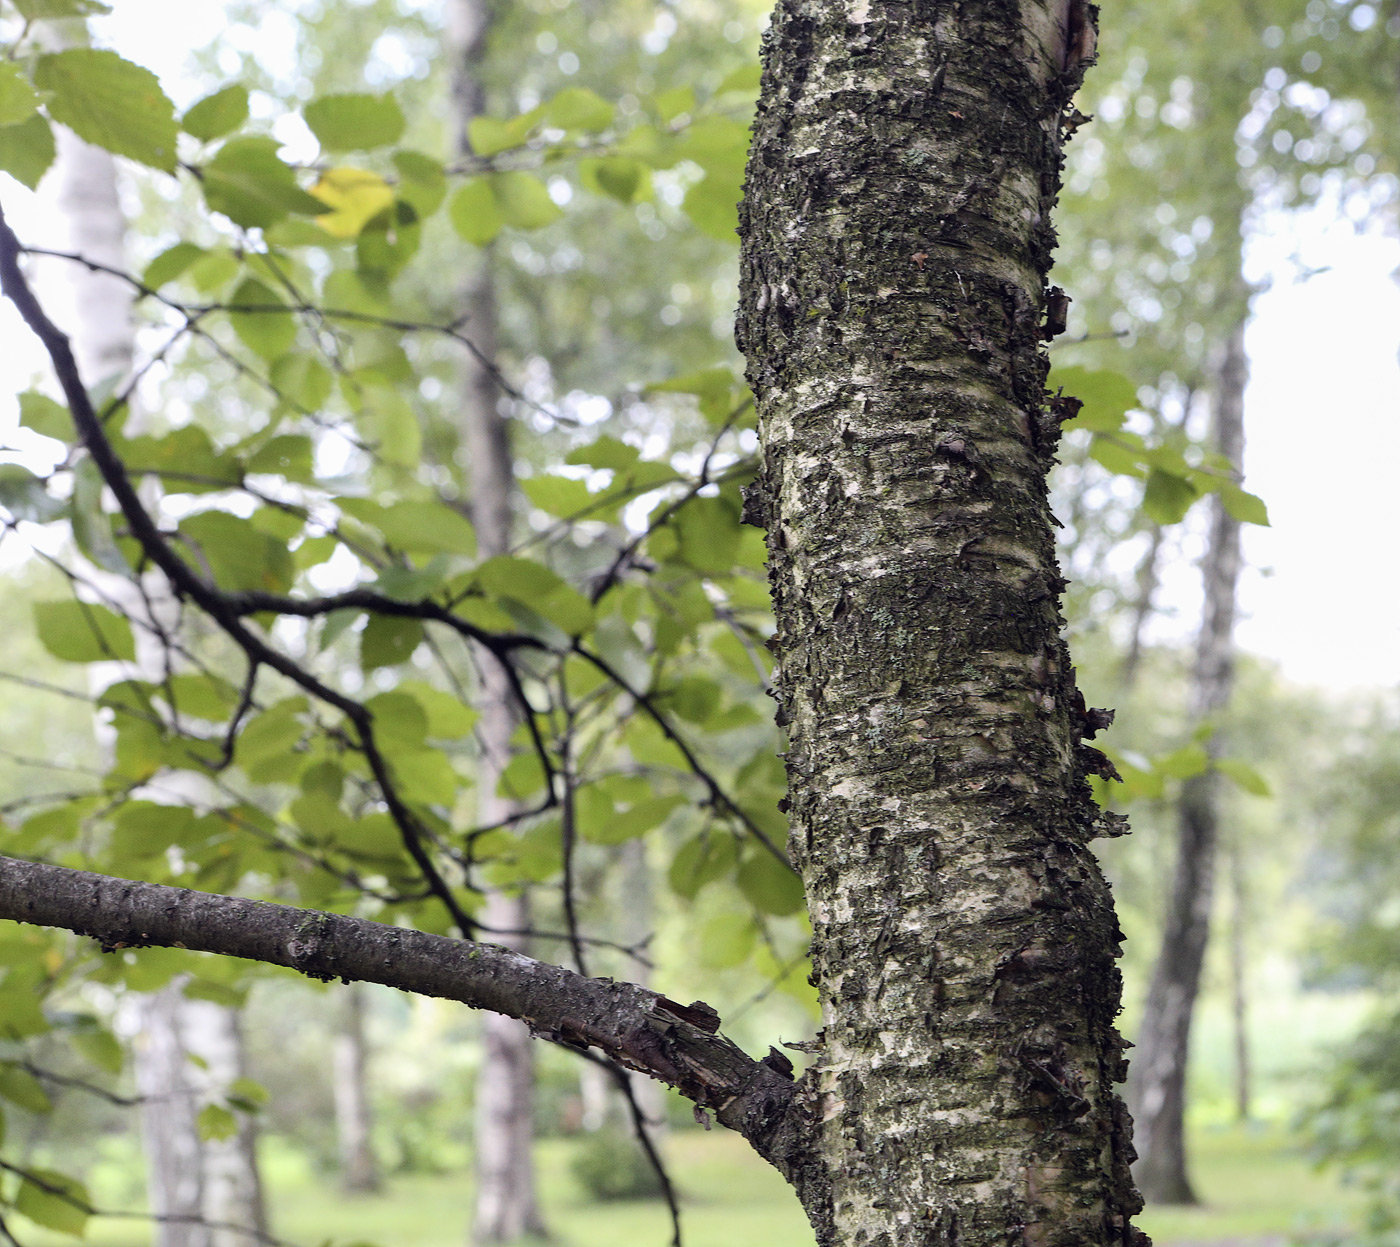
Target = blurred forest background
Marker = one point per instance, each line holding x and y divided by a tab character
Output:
1217	125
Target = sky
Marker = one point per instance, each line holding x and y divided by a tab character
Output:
1321	596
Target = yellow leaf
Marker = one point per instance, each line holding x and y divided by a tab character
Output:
355	196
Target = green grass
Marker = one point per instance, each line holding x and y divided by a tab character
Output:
1256	1185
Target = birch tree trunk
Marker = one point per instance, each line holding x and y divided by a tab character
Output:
506	1205
233	1201
186	1178
359	1167
1159	1074
174	1169
897	233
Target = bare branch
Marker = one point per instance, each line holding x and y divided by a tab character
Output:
640	1029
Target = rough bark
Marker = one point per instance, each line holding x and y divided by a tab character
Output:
896	233
507	1208
359	1167
1159	1069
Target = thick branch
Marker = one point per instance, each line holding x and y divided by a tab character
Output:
677	1044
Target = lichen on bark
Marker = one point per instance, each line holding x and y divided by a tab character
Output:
896	235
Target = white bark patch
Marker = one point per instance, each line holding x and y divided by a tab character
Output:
860	12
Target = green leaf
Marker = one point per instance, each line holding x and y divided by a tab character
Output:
26	497
447	717
20	1087
423	181
40	413
578	108
355	121
475	214
489	136
100	1047
1119	453
559	495
523	200
1245	776
534	586
713	205
27	150
110	102
43	10
83	632
617	827
216	1122
259	325
390	425
289	455
623	178
605	452
702	859
302	379
388	640
1184	763
709	534
218	114
1243	506
170	264
205	696
1167	497
237	556
17	99
770	887
415	527
1107	397
251	185
60	1203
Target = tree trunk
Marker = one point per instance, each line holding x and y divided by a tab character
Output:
359	1168
174	1172
188	1177
506	1204
896	234
1159	1073
233	1201
1239	986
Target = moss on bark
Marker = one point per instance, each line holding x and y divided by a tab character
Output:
896	237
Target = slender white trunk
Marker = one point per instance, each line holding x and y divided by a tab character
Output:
359	1167
506	1204
187	1177
174	1173
233	1195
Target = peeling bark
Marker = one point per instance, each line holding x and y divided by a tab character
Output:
1159	1070
896	233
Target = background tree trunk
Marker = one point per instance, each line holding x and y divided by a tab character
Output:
1159	1068
174	1168
233	1194
506	1205
896	237
359	1167
187	1177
